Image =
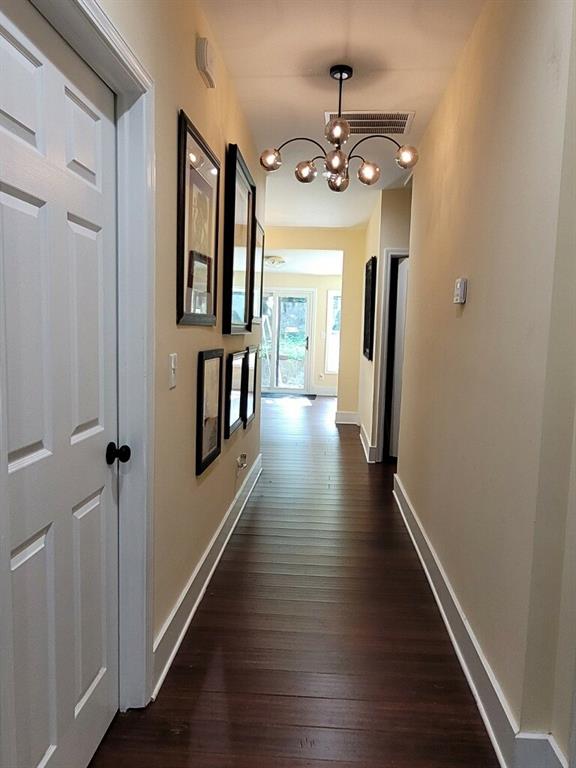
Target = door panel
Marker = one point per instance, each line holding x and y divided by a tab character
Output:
89	597
26	285
33	599
58	302
85	249
19	96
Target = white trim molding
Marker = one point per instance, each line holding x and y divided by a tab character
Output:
91	33
87	28
347	417
324	391
370	451
514	748
172	632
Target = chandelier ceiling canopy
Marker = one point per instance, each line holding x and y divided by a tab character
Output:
336	162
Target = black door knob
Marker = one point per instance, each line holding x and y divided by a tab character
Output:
113	452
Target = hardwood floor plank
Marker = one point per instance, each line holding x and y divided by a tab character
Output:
296	742
318	643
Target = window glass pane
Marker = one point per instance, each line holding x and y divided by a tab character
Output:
333	316
292	324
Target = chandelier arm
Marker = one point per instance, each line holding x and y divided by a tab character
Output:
353	157
375	136
303	138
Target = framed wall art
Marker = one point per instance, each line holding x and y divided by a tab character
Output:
208	408
250	384
239	243
369	306
258	274
197	222
233	397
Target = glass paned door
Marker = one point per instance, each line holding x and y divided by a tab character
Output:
268	337
292	342
286	340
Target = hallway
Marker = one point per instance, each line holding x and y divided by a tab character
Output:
318	641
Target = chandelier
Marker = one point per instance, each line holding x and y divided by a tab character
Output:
336	163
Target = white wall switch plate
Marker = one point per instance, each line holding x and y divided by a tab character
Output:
173	365
460	290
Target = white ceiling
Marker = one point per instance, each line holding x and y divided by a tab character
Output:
279	52
306	262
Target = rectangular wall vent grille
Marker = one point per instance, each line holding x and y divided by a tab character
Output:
362	123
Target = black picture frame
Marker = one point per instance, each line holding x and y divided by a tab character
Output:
208	400
197	227
239	237
369	306
257	289
234	362
250	385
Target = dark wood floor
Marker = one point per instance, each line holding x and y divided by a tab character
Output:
318	642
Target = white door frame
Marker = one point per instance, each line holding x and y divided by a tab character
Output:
92	34
381	344
572	744
310	294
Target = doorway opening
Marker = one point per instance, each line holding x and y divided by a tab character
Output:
286	331
392	361
301	322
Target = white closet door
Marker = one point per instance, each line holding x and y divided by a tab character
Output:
59	567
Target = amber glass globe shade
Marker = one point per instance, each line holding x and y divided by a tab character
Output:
271	159
407	156
337	131
306	171
368	173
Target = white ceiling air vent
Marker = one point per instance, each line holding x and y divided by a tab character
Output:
363	123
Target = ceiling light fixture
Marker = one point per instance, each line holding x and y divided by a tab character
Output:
336	162
273	260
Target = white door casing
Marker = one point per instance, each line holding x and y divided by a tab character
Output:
59	564
381	344
399	333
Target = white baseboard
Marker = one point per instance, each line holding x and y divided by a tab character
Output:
347	417
172	633
325	391
514	749
369	450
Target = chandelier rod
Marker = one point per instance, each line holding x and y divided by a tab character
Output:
372	136
303	138
340	86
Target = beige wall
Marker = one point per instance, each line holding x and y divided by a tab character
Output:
563	714
351	242
366	367
187	510
488	388
320	284
388	227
